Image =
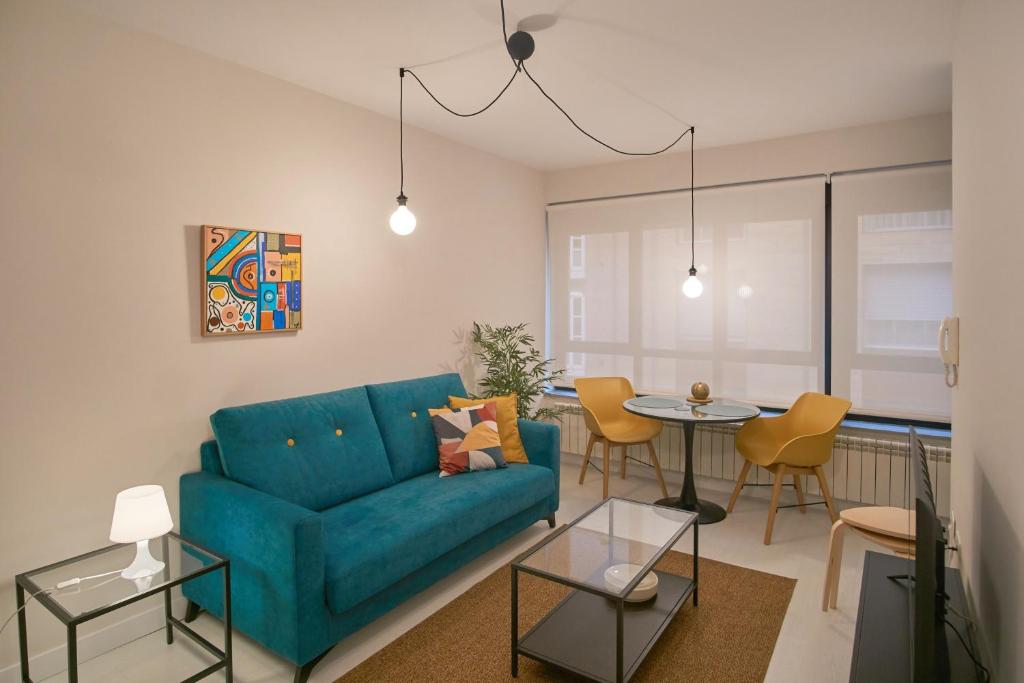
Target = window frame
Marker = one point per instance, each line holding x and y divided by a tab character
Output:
828	274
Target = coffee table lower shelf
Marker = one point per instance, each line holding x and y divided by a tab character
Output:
579	634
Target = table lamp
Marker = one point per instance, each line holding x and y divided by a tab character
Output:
141	513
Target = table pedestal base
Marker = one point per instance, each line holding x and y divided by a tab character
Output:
708	512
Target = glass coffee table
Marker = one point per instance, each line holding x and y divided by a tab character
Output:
82	588
595	631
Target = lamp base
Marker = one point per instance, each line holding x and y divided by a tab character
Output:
144	563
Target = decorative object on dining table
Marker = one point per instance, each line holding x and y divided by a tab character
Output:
140	514
700	393
618	576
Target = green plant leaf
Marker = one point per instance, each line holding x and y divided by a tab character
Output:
513	365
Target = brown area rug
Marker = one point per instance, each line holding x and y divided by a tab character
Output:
729	637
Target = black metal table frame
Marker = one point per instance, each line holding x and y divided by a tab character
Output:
620	602
72	622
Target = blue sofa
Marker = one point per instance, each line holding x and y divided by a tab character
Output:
332	512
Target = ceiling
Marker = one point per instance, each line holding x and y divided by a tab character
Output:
635	73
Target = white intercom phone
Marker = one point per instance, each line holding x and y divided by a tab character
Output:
949	348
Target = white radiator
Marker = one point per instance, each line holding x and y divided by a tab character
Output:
863	468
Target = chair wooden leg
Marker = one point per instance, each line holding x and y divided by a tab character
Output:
657	468
825	493
607	464
586	457
799	493
833	565
740	482
776	490
837	564
622	470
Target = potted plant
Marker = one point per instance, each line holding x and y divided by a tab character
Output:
514	366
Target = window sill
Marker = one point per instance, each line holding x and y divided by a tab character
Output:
860	422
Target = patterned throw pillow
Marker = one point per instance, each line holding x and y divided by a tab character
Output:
508	424
467	439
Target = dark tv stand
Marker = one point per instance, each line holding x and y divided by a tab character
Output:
881	646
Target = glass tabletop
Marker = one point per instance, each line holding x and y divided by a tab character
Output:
718	410
616	532
101	584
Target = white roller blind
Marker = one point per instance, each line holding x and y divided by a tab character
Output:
756	333
892	251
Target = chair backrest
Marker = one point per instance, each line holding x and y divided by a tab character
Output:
815	413
601	399
809	429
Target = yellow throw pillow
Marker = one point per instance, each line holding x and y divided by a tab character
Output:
508	425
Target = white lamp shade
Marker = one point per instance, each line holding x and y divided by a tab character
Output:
140	513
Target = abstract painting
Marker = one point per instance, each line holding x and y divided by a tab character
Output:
252	281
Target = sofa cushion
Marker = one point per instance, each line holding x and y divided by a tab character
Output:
467	439
374	541
401	412
508	423
315	451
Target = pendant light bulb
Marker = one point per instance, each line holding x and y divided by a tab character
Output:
402	222
693	288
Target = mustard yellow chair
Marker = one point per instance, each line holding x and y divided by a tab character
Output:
609	424
796	443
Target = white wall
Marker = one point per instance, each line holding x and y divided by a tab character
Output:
925	138
116	146
988	181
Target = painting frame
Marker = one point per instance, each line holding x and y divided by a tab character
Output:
251	281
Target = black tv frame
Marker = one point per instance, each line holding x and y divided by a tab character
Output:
927	602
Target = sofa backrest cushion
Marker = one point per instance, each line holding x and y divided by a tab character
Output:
315	451
401	411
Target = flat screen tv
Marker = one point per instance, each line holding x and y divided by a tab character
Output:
927	602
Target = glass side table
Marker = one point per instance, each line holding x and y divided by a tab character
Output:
105	591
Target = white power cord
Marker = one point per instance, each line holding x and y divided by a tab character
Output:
60	586
18	611
79	579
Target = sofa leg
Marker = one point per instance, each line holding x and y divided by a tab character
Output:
192	611
551	520
302	672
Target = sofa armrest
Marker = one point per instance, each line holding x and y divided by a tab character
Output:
542	441
275	547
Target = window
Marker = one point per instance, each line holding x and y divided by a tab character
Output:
755	333
577	319
892	285
577	256
758	331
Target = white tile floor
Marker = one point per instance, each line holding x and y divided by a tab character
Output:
813	645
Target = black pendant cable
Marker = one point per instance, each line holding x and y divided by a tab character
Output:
692	288
402	221
520	46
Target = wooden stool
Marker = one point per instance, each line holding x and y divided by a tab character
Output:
889	527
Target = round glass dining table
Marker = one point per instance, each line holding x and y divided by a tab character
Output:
679	411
